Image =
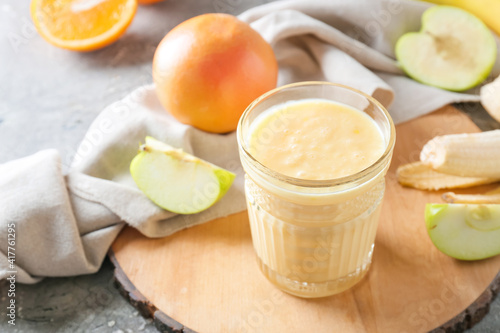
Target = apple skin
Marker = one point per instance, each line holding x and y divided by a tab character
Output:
464	231
452	60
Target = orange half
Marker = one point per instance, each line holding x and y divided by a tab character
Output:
82	25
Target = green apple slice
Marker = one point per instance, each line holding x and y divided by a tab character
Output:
454	50
177	181
464	231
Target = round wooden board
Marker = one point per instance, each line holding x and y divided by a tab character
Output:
206	279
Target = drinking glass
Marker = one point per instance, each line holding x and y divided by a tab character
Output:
314	238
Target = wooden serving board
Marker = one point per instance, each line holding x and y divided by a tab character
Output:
206	278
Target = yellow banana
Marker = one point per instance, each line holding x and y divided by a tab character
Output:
491	197
490	98
467	155
486	10
422	177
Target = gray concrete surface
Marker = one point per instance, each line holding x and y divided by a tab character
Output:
48	98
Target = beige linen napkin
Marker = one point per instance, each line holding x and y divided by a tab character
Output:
64	224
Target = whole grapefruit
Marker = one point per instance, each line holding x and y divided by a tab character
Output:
208	69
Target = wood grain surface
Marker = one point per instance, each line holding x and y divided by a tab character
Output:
206	278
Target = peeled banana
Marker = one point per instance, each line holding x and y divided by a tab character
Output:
422	177
467	155
490	98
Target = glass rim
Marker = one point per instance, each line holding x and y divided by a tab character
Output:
323	183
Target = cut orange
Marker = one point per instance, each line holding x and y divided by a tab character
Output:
82	25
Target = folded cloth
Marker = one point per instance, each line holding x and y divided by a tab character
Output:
65	223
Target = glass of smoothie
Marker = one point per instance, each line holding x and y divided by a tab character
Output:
315	156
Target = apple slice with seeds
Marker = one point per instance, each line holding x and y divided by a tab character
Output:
454	50
464	231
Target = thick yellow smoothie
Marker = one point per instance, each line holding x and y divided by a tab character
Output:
305	247
318	139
